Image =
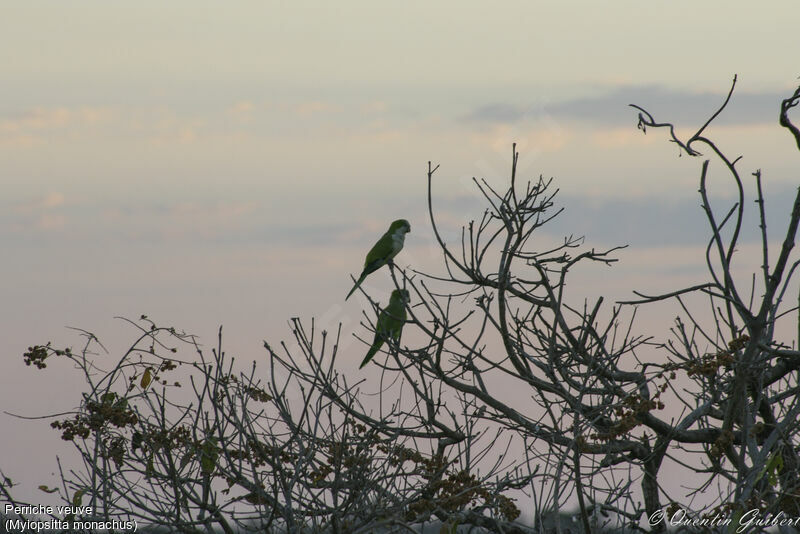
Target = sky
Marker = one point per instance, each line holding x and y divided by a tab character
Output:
210	164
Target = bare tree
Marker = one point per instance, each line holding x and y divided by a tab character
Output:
740	422
503	389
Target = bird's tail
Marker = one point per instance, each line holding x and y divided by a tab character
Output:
360	279
372	352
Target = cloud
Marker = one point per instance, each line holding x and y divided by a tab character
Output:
42	213
207	220
243	107
51	221
29	128
647	220
620	137
43	118
315	107
242	112
218	212
541	136
670	105
373	107
611	108
49	201
505	113
36	119
167	128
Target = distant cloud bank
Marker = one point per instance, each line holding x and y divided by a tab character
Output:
611	108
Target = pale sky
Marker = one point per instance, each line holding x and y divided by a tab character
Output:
229	164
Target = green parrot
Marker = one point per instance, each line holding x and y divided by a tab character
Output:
390	323
384	250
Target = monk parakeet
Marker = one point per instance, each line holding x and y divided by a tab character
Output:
390	323
384	250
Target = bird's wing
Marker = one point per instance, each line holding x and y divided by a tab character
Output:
389	325
393	318
376	258
381	252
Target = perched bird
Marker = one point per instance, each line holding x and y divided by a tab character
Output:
390	323
384	250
